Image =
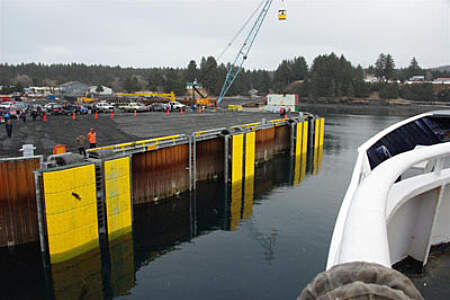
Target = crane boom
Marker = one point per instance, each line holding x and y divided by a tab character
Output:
236	67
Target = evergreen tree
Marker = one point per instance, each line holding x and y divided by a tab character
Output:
283	75
414	68
155	80
389	91
191	72
209	75
351	90
174	82
359	73
299	68
389	67
380	66
130	84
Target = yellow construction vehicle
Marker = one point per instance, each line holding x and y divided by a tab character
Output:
170	96
85	100
204	100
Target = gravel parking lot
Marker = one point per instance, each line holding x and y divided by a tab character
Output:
124	127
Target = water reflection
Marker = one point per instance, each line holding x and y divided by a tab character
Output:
22	275
159	228
249	188
78	278
235	205
300	168
121	253
317	160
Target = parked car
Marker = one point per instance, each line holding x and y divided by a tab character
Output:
48	106
78	109
35	110
36	107
14	111
158	107
134	106
2	113
104	107
83	110
69	109
21	106
177	106
6	105
54	109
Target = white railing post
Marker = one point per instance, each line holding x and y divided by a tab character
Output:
438	166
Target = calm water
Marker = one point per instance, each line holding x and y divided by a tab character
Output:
207	245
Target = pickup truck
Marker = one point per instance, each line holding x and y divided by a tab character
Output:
104	107
133	106
177	106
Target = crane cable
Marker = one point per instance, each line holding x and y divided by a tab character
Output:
240	30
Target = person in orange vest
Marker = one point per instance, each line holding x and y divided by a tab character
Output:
92	138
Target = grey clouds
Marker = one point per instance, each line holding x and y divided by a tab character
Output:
158	33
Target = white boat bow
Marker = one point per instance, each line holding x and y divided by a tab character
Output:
384	220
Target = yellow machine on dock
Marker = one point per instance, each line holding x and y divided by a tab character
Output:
85	100
203	100
170	96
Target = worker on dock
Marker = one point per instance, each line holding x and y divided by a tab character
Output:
81	142
92	137
23	116
8	127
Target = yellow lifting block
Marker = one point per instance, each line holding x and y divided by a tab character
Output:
151	147
199	133
235	108
118	196
237	157
71	211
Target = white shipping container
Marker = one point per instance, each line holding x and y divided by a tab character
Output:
282	100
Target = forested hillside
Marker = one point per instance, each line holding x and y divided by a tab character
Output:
328	76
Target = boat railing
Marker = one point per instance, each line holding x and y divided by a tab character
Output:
361	232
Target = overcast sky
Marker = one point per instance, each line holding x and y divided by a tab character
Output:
154	33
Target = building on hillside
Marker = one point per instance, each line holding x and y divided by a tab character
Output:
73	89
39	91
440	84
104	90
417	78
371	79
253	93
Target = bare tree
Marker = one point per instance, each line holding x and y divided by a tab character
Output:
23	80
117	85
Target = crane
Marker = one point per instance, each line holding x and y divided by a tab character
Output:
204	100
242	54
